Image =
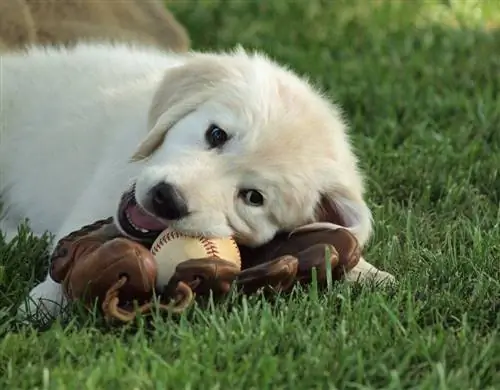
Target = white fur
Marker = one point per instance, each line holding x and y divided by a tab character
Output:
71	120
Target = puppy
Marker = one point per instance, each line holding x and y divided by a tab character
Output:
211	143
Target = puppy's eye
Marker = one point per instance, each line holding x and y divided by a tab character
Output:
215	136
252	197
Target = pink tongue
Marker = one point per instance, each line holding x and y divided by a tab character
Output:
143	220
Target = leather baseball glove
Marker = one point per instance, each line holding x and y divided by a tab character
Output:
97	263
290	258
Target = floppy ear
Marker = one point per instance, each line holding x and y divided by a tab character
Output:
158	133
335	210
183	89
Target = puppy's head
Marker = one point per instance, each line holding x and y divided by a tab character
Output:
241	146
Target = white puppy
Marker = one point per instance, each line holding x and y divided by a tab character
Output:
218	144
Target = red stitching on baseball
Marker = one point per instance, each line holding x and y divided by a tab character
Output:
210	247
163	240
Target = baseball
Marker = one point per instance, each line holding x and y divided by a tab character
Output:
172	248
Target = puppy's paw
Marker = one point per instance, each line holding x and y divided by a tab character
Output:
44	303
365	273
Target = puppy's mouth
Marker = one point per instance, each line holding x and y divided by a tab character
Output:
135	221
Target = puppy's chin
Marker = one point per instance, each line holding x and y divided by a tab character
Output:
255	239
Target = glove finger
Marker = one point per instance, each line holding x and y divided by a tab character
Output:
94	274
206	275
324	258
277	275
349	251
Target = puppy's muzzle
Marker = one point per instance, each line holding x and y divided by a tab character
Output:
168	202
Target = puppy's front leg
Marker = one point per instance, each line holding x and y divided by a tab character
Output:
47	300
364	272
44	303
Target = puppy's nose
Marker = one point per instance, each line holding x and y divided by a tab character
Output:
167	201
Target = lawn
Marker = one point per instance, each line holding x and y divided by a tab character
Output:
417	81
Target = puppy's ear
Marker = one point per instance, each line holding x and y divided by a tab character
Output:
158	133
182	90
328	211
353	214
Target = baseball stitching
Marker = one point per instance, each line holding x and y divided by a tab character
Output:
208	245
163	240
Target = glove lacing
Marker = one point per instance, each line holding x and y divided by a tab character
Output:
111	303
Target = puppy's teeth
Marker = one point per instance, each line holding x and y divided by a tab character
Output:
139	229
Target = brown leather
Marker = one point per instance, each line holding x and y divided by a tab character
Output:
277	275
285	244
206	275
100	265
96	262
77	243
322	257
322	250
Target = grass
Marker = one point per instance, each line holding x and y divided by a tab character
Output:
418	82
